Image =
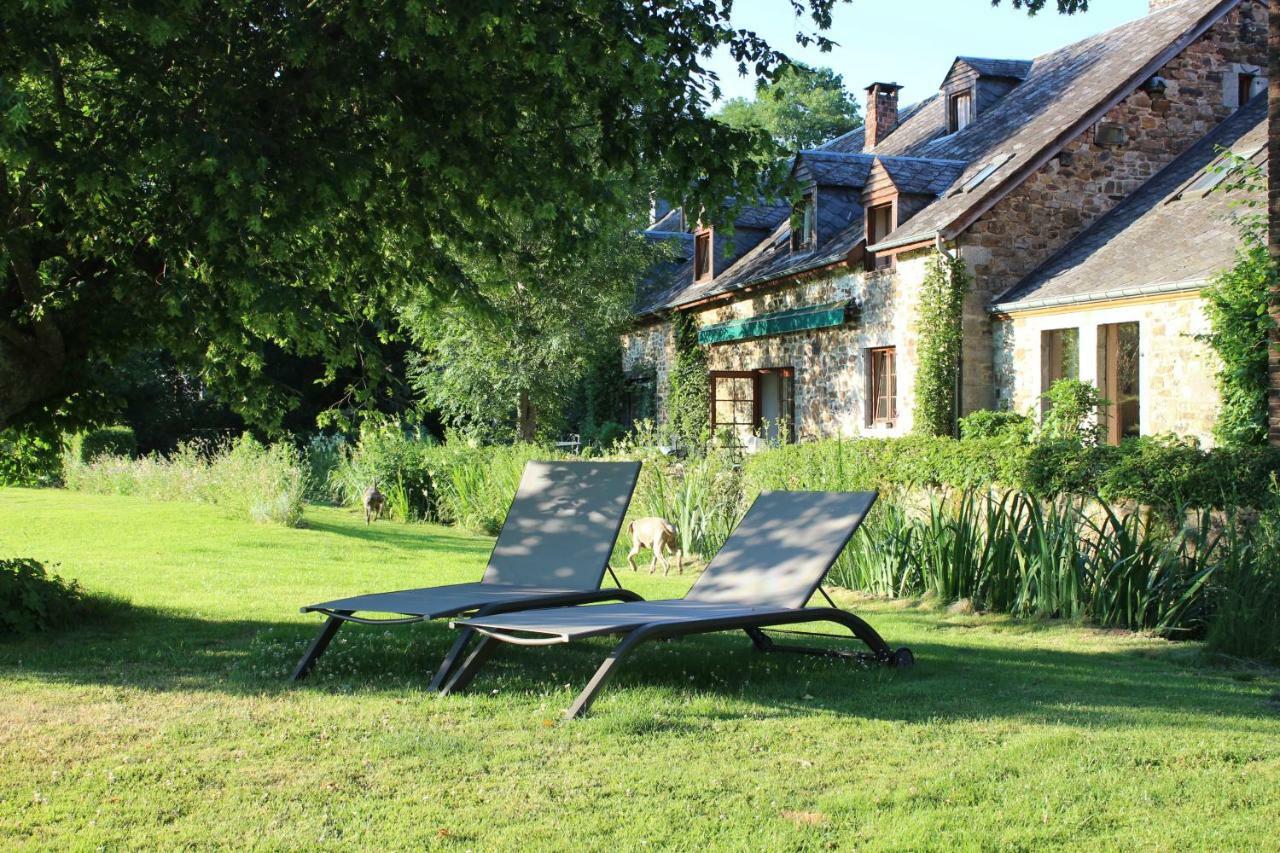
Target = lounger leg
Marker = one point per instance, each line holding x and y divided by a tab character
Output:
588	695
759	639
467	671
318	645
451	659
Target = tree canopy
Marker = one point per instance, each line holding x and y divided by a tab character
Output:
801	109
509	369
1065	7
233	178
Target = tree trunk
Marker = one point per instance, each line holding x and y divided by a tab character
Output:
526	418
1273	208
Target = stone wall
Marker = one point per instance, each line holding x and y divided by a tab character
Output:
651	345
1086	180
831	364
1176	372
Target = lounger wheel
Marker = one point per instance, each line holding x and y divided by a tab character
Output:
902	658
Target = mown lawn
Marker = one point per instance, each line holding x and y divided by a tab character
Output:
174	725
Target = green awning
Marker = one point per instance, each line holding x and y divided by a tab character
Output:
780	323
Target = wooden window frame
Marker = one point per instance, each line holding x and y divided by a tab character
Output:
703	254
873	387
1051	348
880	261
1108	361
953	110
809	239
1244	82
757	420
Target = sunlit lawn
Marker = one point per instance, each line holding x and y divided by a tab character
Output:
175	725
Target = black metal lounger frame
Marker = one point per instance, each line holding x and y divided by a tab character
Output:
560	598
338	617
753	624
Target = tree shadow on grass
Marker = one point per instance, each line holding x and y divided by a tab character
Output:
156	650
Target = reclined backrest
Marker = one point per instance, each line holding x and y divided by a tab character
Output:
562	524
782	549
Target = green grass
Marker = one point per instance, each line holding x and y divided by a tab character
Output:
174	725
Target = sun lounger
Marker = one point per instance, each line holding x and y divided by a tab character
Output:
762	577
553	551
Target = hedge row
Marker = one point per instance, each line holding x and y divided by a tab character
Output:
1156	471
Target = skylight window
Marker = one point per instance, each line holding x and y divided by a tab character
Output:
982	174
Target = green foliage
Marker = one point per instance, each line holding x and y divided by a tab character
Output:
455	483
1237	303
29	458
599	399
702	496
689	387
512	369
884	463
801	109
33	600
938	324
987	423
1065	7
1072	415
105	441
1157	471
1246	590
250	180
1012	553
263	483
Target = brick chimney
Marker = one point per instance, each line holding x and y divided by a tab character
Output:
1157	5
882	111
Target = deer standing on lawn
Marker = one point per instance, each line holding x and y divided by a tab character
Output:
660	535
374	503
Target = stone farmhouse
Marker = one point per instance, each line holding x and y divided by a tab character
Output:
1078	189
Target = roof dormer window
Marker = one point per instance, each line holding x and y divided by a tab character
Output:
702	266
804	223
959	111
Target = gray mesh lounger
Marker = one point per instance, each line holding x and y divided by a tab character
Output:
553	551
763	577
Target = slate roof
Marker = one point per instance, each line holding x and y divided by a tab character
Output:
921	176
1016	69
1064	92
1061	94
1162	238
837	169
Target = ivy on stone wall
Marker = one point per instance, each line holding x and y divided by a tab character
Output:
1239	323
939	336
689	386
1237	302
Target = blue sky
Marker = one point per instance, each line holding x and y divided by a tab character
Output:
913	42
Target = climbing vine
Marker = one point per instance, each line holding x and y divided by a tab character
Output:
1237	302
689	386
938	326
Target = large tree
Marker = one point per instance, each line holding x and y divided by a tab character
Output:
801	109
227	177
508	365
